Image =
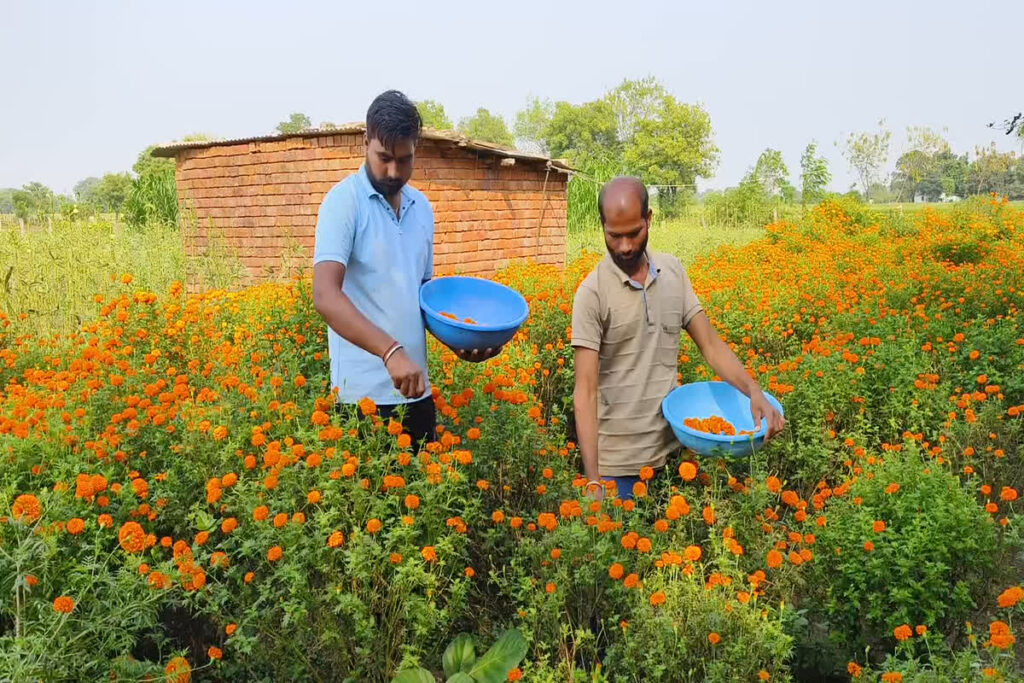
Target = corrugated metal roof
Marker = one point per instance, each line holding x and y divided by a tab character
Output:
457	139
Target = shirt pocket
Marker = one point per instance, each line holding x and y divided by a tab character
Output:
670	325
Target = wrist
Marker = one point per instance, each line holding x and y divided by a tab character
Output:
394	348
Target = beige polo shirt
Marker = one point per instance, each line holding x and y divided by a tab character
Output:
635	328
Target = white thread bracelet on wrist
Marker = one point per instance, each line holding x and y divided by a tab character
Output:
592	481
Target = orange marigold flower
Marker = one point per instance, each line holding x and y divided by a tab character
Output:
105	520
921	629
335	540
869	546
694	552
631	581
658	598
892	677
230	629
76	525
367	407
261	513
1008	494
374	525
878	527
429	554
214	652
26	508
902	632
1011	596
229	525
774	484
178	670
63	604
774	559
714	638
687	470
275	553
854	669
550	587
515	674
412	501
616	571
646	473
131	537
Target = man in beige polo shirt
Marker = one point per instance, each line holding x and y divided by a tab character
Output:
627	318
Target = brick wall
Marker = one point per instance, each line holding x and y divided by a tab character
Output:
259	201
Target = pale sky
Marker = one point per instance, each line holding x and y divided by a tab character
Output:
89	84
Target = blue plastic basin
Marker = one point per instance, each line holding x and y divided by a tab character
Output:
497	310
704	399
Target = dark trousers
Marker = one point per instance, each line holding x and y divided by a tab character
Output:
419	422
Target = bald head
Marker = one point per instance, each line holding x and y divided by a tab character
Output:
623	197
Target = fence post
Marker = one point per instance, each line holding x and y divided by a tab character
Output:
21	221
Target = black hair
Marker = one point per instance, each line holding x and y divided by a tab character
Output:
392	116
637	184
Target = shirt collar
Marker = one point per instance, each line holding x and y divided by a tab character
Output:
407	197
652	271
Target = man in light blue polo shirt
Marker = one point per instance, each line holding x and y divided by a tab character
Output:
374	248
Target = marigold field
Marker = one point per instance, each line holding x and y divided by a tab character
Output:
181	502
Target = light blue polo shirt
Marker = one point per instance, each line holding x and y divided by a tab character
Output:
386	259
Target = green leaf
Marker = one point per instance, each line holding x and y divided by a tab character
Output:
459	655
417	675
460	677
504	655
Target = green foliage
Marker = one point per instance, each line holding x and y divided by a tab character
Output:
296	123
7	199
33	201
433	115
106	195
923	568
814	174
867	154
487	127
531	123
637	127
153	199
673	641
672	146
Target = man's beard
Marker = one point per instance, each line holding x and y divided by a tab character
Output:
631	265
386	186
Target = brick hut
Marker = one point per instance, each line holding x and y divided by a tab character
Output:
259	197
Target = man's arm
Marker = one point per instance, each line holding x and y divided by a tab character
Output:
719	356
585	408
331	302
727	366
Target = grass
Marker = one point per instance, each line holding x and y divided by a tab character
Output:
50	275
685	238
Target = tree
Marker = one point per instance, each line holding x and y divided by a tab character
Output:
673	146
531	123
434	115
770	173
814	174
992	170
33	201
487	127
7	199
85	189
296	123
867	154
586	134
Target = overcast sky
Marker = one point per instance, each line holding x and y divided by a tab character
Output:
89	84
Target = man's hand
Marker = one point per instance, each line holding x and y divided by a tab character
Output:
478	355
760	409
408	378
596	491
